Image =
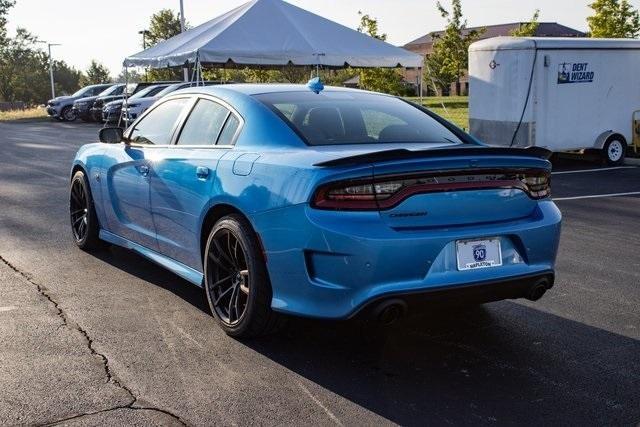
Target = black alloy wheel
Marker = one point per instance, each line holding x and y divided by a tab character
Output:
82	214
236	280
68	114
229	278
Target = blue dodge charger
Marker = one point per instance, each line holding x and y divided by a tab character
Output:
289	199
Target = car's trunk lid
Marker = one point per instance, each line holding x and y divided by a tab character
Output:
453	186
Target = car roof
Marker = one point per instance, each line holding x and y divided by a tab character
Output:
256	89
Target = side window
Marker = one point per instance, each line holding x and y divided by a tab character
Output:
229	130
156	127
98	90
204	124
118	90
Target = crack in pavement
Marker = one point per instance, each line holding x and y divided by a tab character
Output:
42	290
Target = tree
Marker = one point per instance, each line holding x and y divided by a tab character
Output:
67	79
24	66
5	5
386	80
613	19
133	76
164	25
292	74
22	69
95	74
528	29
449	59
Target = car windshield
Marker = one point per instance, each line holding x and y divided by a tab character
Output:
336	117
81	92
148	91
171	88
110	90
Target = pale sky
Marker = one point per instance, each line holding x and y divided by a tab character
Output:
108	31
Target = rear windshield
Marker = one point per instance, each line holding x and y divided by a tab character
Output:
331	118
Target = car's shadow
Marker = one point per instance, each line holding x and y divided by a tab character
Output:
505	363
138	266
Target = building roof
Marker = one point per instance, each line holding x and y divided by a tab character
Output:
545	29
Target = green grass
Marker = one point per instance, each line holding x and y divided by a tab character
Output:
30	114
456	108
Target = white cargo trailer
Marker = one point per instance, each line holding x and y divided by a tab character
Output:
563	94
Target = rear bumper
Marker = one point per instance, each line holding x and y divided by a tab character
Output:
96	114
332	264
112	116
52	112
82	113
472	293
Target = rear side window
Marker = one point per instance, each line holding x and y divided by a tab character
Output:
98	90
204	124
229	131
157	126
333	118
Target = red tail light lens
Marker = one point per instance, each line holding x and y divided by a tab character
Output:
387	192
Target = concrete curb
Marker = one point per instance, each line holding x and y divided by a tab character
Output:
631	162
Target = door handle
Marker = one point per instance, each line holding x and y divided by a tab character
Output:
202	172
144	170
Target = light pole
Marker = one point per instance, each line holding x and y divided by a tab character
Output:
144	33
144	37
185	70
53	88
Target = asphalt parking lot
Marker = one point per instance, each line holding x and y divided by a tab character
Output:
112	339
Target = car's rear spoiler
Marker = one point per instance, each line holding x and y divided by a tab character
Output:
402	154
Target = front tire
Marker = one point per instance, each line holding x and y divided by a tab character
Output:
236	280
614	151
82	214
68	115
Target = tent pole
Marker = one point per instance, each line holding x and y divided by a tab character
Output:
125	103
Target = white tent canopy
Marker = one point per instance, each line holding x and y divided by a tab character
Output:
274	33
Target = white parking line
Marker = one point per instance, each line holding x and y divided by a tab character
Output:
594	170
597	196
8	308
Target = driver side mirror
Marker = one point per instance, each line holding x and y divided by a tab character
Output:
111	135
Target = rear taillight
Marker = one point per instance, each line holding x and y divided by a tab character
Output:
387	192
538	186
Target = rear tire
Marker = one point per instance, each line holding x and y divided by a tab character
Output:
82	214
614	151
236	280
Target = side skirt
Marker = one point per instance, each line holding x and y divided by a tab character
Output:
174	266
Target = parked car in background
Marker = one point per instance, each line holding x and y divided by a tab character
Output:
132	89
319	203
134	109
112	110
61	107
82	107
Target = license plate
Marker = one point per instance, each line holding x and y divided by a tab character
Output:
480	253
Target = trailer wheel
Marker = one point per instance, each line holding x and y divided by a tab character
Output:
614	150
